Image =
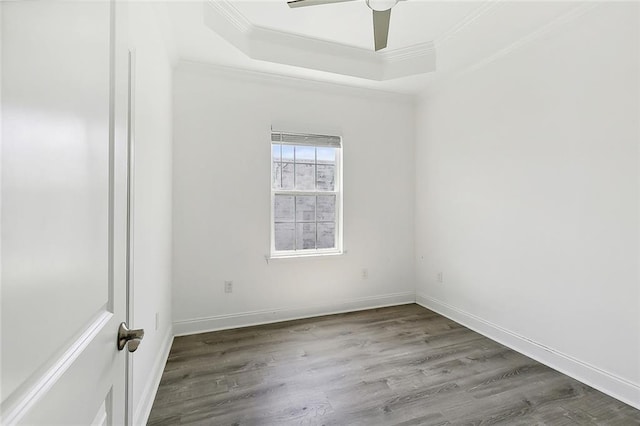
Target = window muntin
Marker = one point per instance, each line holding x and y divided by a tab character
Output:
305	194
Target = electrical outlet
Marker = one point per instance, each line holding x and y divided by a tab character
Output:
365	273
157	320
228	286
439	277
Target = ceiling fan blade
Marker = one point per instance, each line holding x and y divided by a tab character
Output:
301	3
381	28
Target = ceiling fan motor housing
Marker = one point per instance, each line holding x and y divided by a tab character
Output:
381	5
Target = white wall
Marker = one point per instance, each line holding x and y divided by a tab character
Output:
152	202
528	199
221	184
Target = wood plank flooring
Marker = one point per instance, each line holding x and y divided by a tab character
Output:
402	365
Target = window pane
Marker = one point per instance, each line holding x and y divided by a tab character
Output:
287	176
305	208
326	177
326	155
326	235
283	208
275	152
276	175
287	153
305	154
326	208
284	236
305	236
304	222
305	177
276	172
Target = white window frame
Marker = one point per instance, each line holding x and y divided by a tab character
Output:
338	192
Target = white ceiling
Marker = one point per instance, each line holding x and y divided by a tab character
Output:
464	33
412	21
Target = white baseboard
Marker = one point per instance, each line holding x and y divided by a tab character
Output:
595	377
142	411
246	319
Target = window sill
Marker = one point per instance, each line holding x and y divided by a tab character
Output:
303	256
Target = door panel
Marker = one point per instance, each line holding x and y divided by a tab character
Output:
63	211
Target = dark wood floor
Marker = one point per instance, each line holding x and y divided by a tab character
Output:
403	365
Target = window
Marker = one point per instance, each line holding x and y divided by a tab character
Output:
306	194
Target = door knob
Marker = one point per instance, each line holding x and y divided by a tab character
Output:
133	337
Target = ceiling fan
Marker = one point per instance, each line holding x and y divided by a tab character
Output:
381	16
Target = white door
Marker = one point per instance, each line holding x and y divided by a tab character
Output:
64	146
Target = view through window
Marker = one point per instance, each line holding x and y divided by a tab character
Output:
305	189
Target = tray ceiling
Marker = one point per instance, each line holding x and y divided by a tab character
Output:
412	22
458	35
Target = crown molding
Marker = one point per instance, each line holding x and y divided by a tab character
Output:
555	24
581	9
281	47
485	9
298	83
233	15
407	53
